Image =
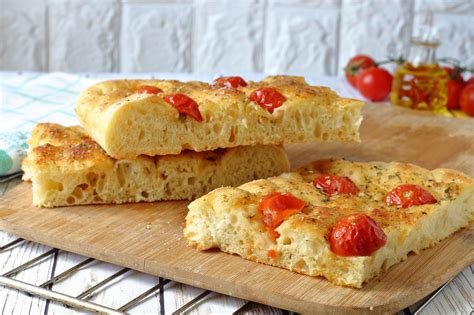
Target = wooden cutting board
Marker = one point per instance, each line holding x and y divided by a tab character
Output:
148	236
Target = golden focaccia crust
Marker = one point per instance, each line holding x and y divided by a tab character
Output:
127	124
68	168
229	219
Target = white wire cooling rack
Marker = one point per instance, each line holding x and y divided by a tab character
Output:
81	301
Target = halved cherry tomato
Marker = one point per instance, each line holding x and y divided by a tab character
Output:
272	253
267	98
184	105
454	92
230	82
334	184
149	89
466	99
407	195
374	83
276	207
356	235
355	66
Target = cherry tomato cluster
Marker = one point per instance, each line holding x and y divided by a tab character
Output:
363	73
354	235
375	83
460	92
267	98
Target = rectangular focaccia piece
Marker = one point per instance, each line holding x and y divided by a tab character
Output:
230	219
67	168
127	123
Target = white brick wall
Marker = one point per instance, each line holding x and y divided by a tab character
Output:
302	37
228	36
221	36
379	28
156	37
83	36
22	35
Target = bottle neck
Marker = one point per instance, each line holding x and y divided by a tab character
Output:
422	53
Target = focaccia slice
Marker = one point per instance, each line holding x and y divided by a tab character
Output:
230	219
69	168
128	122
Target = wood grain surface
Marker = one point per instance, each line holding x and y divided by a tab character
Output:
148	237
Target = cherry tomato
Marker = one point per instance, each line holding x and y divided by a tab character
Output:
466	99
454	73
470	80
355	65
374	83
267	98
356	235
276	207
230	82
148	89
408	195
454	92
333	184
184	105
272	253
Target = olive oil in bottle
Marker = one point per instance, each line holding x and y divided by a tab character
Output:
420	83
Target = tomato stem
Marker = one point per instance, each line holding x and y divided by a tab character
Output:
398	61
354	67
458	69
450	61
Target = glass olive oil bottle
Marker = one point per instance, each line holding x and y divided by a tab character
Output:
420	83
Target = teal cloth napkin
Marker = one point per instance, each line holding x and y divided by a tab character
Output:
27	99
13	150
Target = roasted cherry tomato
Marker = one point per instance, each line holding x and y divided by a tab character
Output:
267	98
272	253
454	92
354	67
276	207
408	195
356	235
333	184
184	105
374	83
466	99
149	89
230	82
